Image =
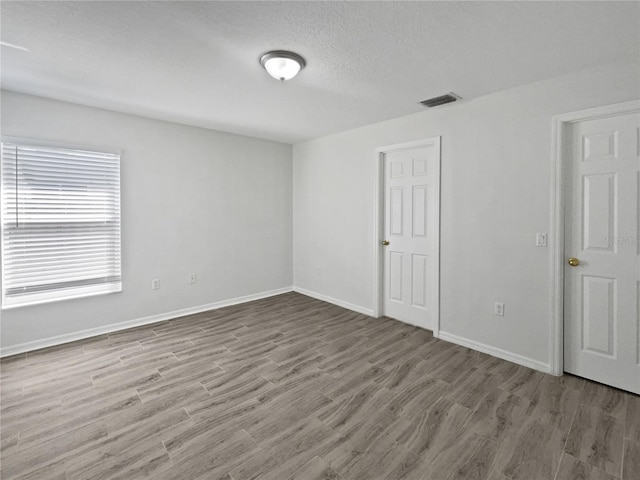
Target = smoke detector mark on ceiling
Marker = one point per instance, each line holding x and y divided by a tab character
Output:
441	100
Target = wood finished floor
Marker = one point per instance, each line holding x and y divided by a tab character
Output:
291	387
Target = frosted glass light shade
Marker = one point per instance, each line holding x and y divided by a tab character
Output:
282	65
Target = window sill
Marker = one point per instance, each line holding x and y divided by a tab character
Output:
51	297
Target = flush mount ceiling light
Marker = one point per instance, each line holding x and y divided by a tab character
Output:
282	65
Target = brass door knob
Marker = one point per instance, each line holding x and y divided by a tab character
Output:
574	262
385	242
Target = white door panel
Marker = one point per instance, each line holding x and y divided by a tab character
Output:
411	190
602	222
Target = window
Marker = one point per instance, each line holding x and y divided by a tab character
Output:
60	223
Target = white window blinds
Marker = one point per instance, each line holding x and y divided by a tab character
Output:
60	223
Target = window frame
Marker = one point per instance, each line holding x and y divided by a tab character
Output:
9	303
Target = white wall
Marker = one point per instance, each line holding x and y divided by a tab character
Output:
496	186
193	200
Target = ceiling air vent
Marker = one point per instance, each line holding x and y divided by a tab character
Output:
441	100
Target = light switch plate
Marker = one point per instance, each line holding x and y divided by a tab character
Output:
541	239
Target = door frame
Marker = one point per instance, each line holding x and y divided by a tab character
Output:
558	159
378	224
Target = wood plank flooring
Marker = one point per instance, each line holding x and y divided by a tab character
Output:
293	388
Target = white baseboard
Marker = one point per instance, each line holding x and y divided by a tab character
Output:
496	352
114	327
335	301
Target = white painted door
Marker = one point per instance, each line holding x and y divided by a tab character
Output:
602	225
411	228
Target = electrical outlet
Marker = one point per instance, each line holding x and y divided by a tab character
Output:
192	278
541	239
498	309
155	284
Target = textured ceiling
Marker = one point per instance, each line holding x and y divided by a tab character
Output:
197	62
